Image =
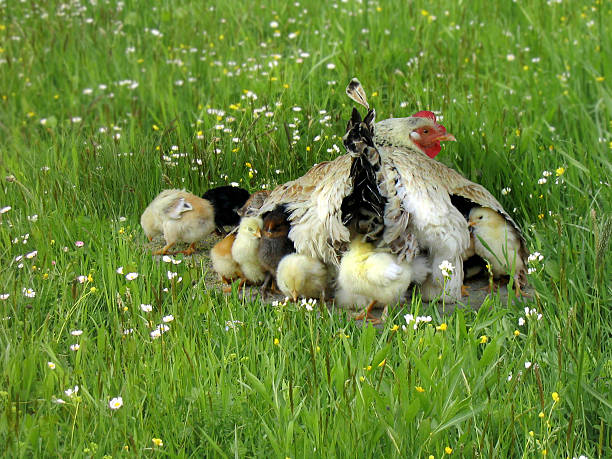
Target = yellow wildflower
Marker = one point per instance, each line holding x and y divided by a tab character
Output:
555	397
442	327
483	339
448	450
560	171
158	442
276	342
420	389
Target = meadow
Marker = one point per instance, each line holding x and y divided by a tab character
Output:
108	352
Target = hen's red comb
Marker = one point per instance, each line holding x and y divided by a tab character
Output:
426	114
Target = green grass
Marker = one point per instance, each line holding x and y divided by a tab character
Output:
525	88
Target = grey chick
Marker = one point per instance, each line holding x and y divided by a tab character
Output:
274	243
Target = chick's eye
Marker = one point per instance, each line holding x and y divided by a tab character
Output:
480	218
425	131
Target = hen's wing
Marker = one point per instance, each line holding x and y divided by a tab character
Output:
438	187
313	202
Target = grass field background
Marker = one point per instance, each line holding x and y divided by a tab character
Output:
105	103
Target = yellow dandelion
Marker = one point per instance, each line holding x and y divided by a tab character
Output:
544	452
442	327
541	415
90	277
541	216
420	389
448	450
517	333
276	342
46	276
155	127
361	378
375	94
286	86
560	171
158	442
531	433
424	13
307	148
93	290
248	164
369	367
555	397
378	9
395	327
483	339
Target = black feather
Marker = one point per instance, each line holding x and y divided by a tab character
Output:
463	205
363	209
226	200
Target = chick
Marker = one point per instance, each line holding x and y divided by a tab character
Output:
254	203
505	249
245	250
222	260
377	275
301	275
274	243
226	200
348	299
181	217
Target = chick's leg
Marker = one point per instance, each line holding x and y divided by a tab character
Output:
366	315
189	250
164	249
465	290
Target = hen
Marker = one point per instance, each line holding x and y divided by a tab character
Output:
427	198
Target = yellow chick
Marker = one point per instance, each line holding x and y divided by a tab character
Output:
301	275
222	261
377	275
505	247
181	217
347	299
246	248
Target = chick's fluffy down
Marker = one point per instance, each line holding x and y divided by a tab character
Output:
189	219
301	275
153	217
377	275
246	247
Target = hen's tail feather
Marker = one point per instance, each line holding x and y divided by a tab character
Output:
364	207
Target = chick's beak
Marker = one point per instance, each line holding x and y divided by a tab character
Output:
258	233
470	224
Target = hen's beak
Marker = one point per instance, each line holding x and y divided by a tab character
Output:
258	233
447	137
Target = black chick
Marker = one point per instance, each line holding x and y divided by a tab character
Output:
226	200
274	243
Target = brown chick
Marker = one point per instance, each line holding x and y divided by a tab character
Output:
181	217
275	242
253	204
222	260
